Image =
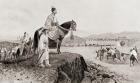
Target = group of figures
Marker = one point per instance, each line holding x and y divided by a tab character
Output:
46	37
114	53
22	49
50	36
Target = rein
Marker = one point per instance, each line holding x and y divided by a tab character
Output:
64	28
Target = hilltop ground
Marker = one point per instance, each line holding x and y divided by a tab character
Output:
25	72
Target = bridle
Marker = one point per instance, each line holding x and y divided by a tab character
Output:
64	28
67	29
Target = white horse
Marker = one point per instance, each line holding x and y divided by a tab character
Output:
3	53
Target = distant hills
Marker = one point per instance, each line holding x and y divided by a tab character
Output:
129	35
76	40
82	40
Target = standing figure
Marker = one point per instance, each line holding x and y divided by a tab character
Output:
134	53
133	56
29	45
43	49
23	42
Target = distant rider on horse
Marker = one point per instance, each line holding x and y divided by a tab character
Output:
25	38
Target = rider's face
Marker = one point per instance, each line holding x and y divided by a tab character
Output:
55	11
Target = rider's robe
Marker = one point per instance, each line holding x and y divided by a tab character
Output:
133	52
51	25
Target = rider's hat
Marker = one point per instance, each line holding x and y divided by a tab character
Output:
53	8
24	32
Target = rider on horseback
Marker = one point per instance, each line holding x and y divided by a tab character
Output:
51	24
25	38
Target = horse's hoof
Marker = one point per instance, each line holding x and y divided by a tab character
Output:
59	53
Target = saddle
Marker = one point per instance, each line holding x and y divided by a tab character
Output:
55	34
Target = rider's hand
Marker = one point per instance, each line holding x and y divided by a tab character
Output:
43	50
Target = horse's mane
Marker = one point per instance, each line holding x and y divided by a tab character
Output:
66	24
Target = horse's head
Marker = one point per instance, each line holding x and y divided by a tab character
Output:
73	25
67	26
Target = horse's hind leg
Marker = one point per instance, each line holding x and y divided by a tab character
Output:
136	60
100	58
133	63
107	57
130	63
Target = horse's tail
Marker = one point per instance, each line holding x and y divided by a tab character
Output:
18	52
35	40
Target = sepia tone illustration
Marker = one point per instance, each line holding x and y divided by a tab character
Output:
69	41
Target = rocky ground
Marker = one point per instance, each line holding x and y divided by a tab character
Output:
25	71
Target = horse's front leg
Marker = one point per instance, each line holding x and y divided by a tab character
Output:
58	46
107	56
130	63
100	57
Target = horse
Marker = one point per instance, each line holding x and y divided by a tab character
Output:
113	53
15	52
26	47
109	53
63	31
100	53
3	53
118	54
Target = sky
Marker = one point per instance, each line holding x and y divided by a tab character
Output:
91	16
